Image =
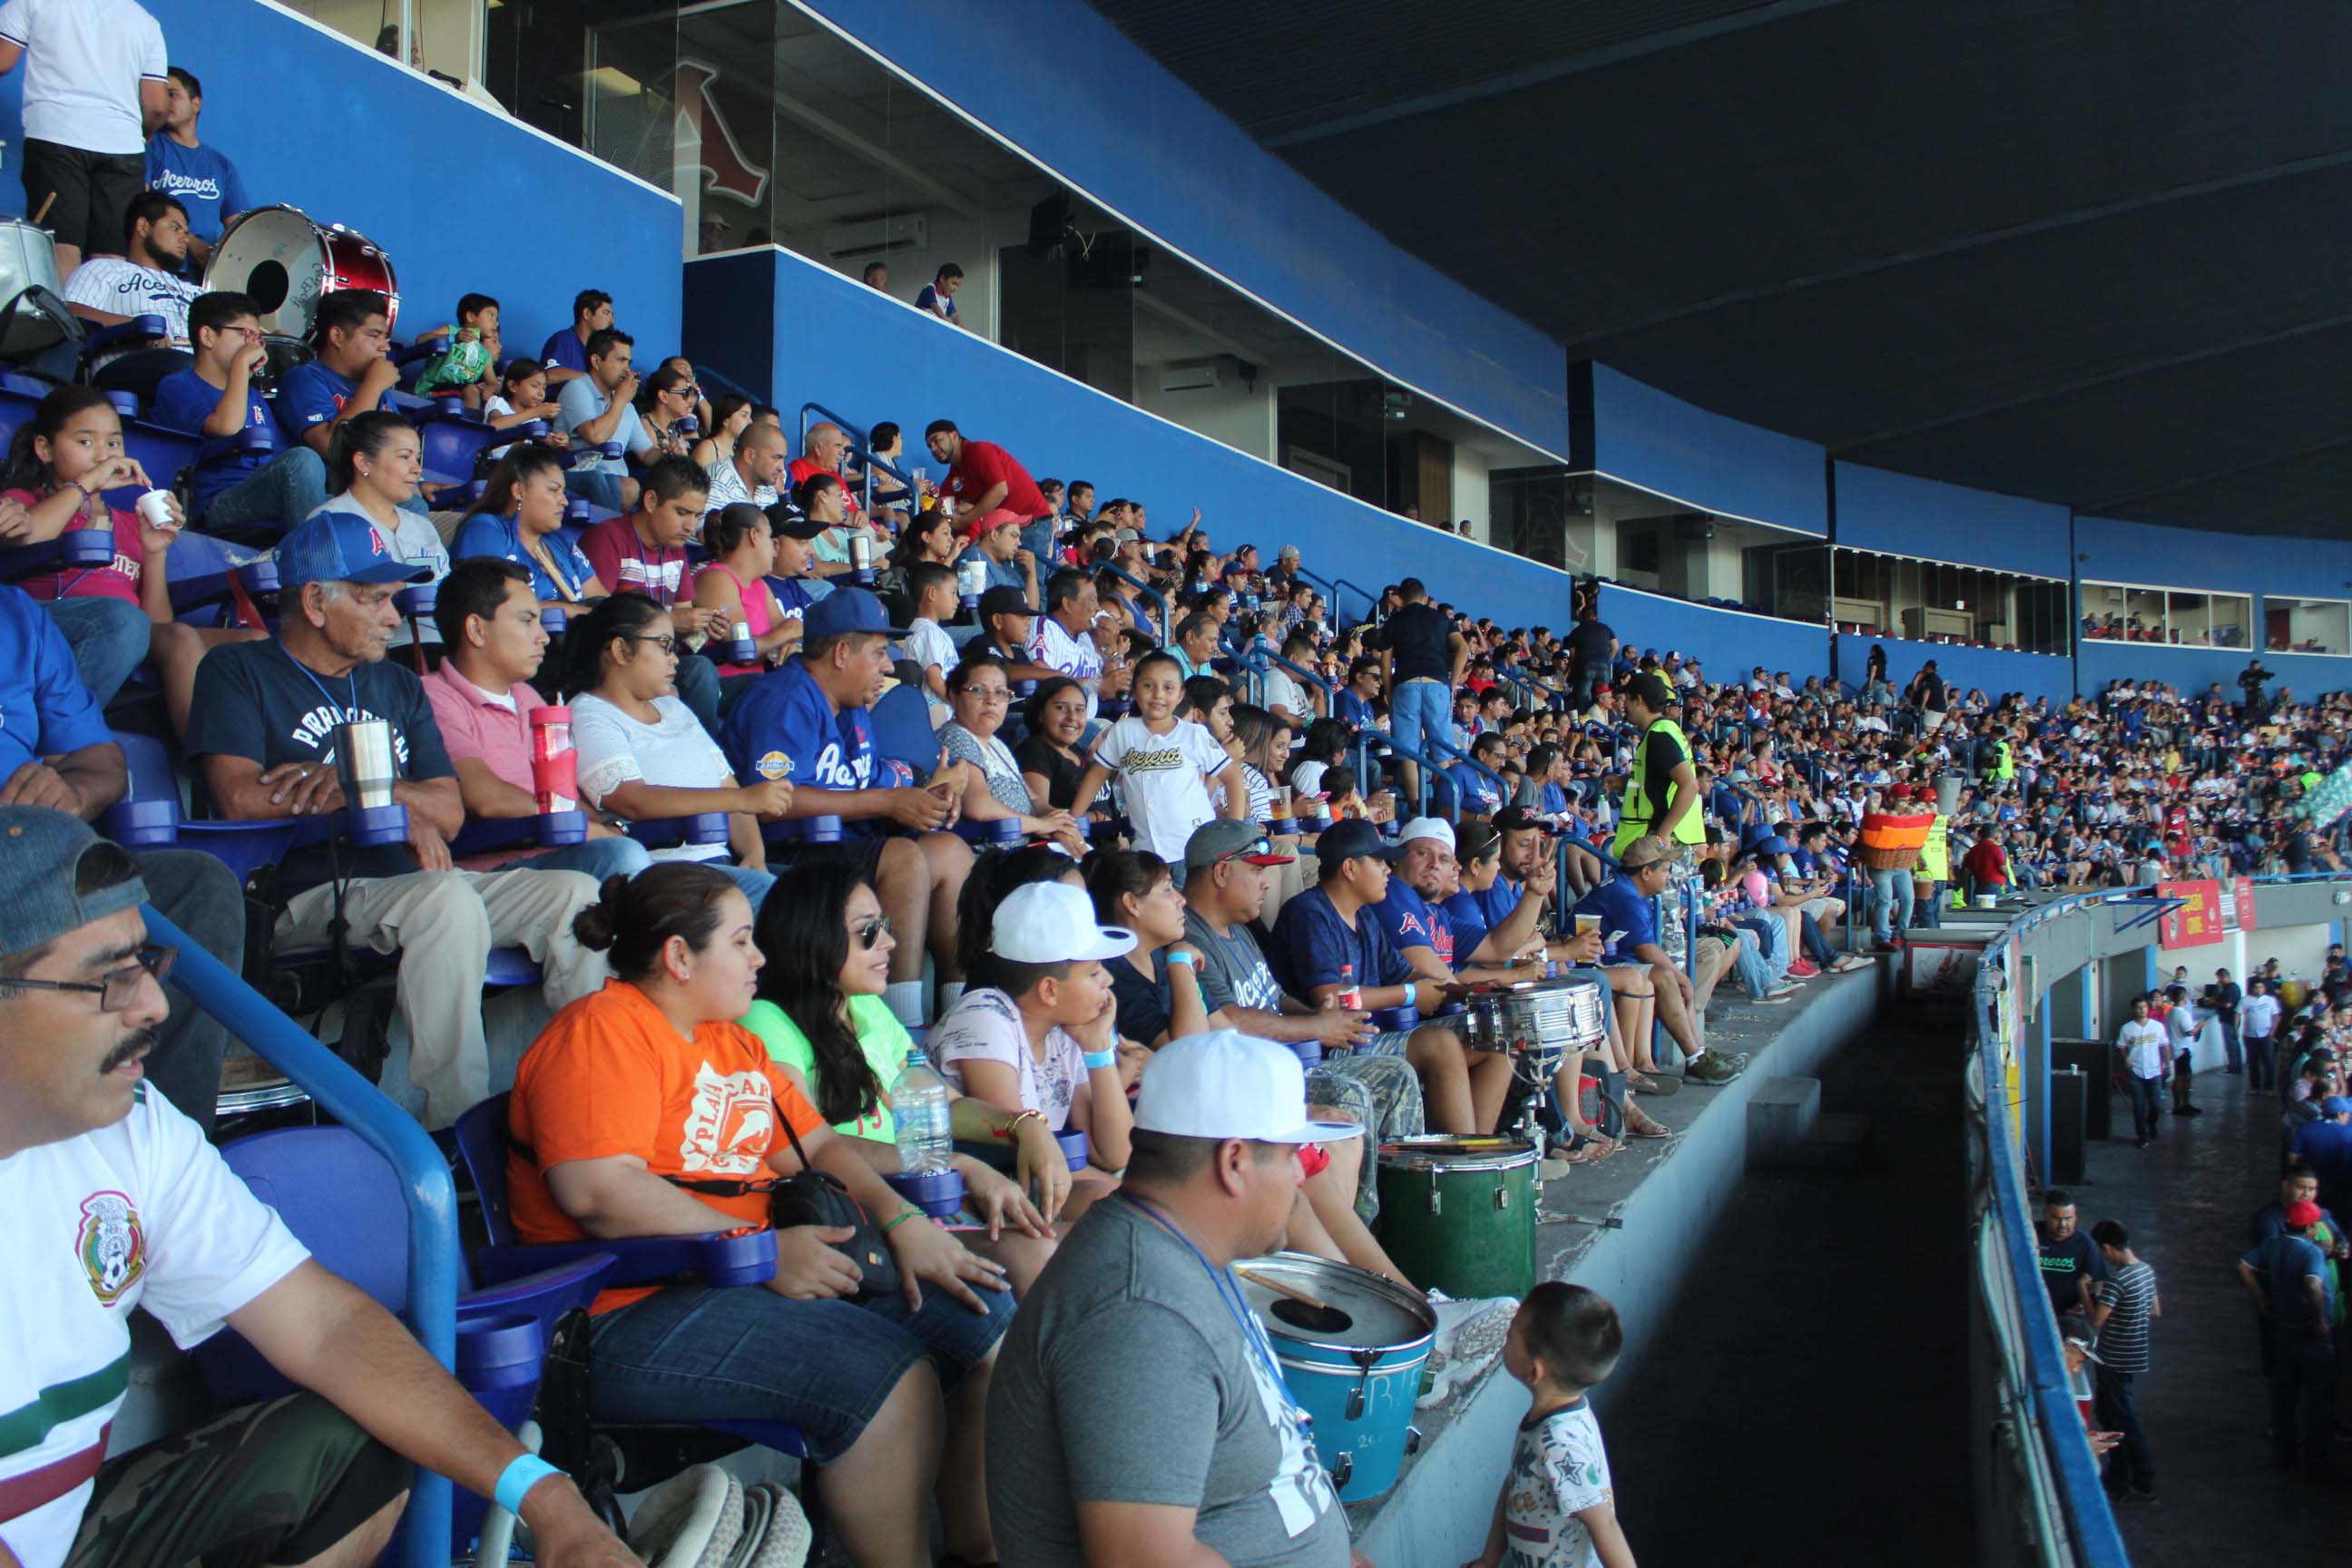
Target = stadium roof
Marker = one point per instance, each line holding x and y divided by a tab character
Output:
2086	250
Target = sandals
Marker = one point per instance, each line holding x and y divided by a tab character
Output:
1589	1149
1642	1126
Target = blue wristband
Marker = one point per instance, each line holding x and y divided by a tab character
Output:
1097	1059
1183	958
523	1472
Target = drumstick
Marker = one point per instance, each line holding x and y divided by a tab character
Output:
1279	1289
47	203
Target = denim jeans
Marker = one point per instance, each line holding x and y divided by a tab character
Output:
695	1353
1890	901
287	489
2229	1045
2114	1407
1420	711
2261	1070
600	858
2143	1092
1931	903
108	638
1754	978
594	486
1037	539
2302	1396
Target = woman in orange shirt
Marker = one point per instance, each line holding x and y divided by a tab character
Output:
646	1110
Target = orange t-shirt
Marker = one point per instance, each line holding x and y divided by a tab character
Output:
610	1076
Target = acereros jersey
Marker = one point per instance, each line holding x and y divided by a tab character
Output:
786	728
142	1213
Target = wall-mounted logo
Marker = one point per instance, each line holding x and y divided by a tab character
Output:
730	172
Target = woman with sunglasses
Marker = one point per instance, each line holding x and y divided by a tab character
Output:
642	755
979	690
646	1110
670	397
820	1012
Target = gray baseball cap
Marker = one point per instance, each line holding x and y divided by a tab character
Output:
45	851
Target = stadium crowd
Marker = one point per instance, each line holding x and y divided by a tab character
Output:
1131	831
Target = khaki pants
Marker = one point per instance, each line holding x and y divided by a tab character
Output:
442	924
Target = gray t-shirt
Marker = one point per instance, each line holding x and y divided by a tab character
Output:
1127	1378
1233	973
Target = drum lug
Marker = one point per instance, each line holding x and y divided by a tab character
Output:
1413	1440
1342	1468
1436	1199
1360	1396
1502	1197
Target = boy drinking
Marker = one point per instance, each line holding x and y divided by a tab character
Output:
1557	1508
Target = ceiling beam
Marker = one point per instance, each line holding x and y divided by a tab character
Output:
1552	71
1959	246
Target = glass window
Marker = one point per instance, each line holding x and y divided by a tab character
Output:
2306	626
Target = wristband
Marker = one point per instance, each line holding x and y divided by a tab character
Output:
523	1472
1181	956
901	1217
1096	1060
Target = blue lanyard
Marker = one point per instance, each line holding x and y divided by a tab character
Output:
347	714
1229	1292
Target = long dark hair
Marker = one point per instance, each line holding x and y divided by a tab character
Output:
633	917
801	931
524	462
620	615
25	470
994	876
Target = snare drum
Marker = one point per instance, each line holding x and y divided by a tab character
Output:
256	1098
287	263
1537	1021
1354	1364
1460	1213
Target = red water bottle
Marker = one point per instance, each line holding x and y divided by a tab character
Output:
1352	996
554	766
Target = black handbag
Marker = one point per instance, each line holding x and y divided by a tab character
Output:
816	1197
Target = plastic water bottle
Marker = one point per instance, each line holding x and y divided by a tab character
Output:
918	1102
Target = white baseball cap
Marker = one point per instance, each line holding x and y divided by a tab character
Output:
1052	923
1226	1084
1435	827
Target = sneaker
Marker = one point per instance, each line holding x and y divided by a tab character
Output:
1886	944
1712	1070
2189	1110
1803	968
1848	963
1772	998
1779	989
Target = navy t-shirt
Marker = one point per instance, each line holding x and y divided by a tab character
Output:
253	700
785	728
2063	1263
1627	919
1145	1006
1311	941
184	401
1411	921
44	708
565	351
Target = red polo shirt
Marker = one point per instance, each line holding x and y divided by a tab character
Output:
986	464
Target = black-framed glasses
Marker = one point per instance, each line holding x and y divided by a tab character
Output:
872	931
117	989
666	642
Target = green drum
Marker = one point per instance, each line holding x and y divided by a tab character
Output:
1460	1213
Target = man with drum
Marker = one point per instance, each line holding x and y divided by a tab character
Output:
1141	1311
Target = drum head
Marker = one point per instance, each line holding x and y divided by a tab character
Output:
1361	1311
275	255
1448	1153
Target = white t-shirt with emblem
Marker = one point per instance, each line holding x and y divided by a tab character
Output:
142	1213
1159	780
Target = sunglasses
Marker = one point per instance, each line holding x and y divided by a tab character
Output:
872	931
1259	847
117	989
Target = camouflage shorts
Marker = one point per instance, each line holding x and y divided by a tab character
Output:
1383	1094
276	1482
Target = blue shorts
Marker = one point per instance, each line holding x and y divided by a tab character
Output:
691	1353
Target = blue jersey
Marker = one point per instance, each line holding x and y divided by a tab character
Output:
1479	792
310	396
784	727
1354	711
200	180
565	351
1412	921
1311	941
1473	915
1627	920
44	708
502	537
184	401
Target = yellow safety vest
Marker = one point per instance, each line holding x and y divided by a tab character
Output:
1639	811
2004	766
1935	855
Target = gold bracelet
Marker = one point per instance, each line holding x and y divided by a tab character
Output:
1011	1128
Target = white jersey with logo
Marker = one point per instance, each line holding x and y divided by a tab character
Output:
121	287
1159	778
142	1213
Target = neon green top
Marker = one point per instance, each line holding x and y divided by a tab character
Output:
880	1035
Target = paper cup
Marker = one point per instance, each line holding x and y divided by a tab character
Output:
155	509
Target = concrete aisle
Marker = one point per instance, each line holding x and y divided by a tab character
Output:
1809	1404
2187	1200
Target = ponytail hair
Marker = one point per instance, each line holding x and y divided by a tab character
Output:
633	917
361	434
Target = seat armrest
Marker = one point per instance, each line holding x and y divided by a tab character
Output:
725	1257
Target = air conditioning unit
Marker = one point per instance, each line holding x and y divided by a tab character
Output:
875	236
1195	375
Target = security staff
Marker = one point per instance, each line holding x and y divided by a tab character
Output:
1661	794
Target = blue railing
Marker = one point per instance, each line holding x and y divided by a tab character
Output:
432	1198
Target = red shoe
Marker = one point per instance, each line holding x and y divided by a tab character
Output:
1804	968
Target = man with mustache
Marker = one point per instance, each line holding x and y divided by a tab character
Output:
114	1201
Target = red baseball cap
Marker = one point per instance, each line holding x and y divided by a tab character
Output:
990	521
2298	1216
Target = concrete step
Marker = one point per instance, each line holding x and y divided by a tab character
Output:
1781	1113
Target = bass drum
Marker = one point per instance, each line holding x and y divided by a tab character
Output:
287	263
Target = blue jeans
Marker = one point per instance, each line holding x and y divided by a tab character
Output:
108	638
1037	539
1419	713
691	1353
594	485
1748	963
2229	1045
2143	1096
1890	902
1931	896
599	857
2260	1071
2115	1410
287	489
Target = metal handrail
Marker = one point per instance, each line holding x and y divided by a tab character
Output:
1502	790
433	1271
859	448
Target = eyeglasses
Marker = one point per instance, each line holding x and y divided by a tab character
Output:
987	693
117	989
872	931
666	642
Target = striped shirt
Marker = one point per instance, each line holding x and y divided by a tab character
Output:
2129	1292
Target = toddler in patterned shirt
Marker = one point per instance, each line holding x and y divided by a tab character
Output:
1557	1508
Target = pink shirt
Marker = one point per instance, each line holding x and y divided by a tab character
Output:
118	580
475	723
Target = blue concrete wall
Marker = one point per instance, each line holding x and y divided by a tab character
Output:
1726	643
1632	431
1878	508
2114	550
2192	669
912	369
1052	76
460	198
1993	670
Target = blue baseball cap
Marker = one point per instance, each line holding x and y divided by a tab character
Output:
341	547
1772	844
846	610
44	850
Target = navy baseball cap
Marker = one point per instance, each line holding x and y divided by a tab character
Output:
341	547
46	850
846	610
1003	600
1351	838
